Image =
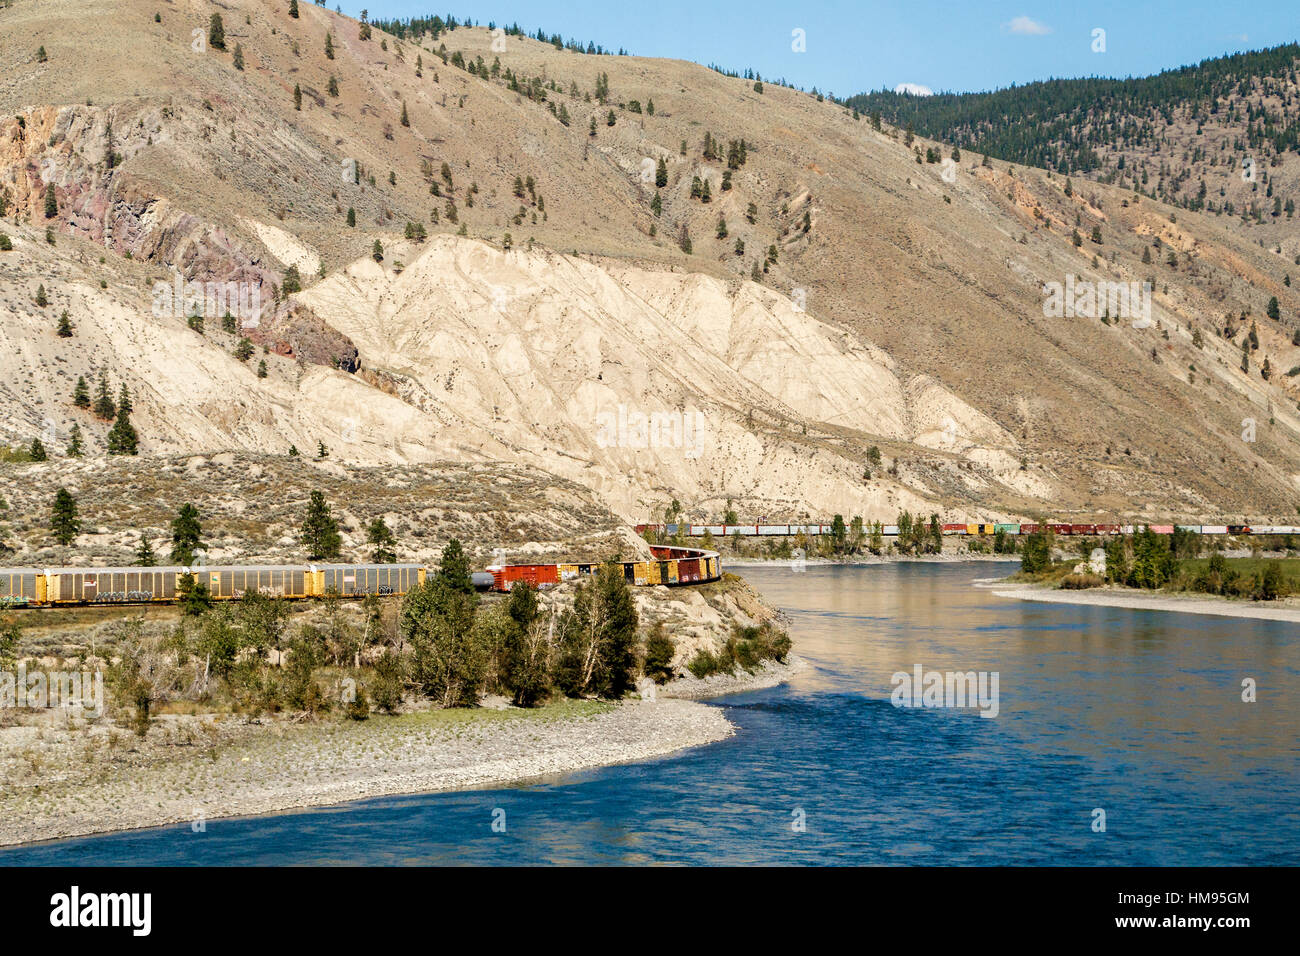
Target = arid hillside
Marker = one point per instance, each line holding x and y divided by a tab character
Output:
461	252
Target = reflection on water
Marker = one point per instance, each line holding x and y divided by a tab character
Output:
1135	712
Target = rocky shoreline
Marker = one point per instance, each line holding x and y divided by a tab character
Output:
283	767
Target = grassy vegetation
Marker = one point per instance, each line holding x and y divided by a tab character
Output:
1170	563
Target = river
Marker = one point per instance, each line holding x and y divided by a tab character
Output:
1137	714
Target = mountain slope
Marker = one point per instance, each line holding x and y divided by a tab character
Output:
900	304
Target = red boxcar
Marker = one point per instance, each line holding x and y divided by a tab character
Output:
1029	529
1162	528
538	575
1060	528
954	529
1108	529
1083	529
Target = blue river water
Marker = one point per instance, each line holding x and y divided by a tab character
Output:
1135	713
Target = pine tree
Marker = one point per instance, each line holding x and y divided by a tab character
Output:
63	517
297	97
684	240
122	438
320	532
333	86
321	451
51	202
124	400
352	216
661	173
144	556
244	351
293	9
65	326
187	535
41	298
81	394
377	252
406	119
261	369
381	537
74	442
104	407
1273	311
329	46
216	33
238	59
37	450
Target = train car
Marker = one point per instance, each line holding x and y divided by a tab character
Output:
1061	529
231	582
688	570
984	528
954	529
1029	529
347	579
1161	528
1239	529
1214	529
890	529
1006	528
538	575
1194	528
773	529
1108	529
112	585
1083	529
22	587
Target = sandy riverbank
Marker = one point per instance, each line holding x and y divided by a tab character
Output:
1124	597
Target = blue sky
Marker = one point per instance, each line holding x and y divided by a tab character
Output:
864	45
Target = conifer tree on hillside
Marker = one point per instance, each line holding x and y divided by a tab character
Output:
187	535
237	59
122	437
216	33
65	326
380	537
37	450
81	393
144	556
74	442
51	202
320	532
63	517
293	9
104	407
329	46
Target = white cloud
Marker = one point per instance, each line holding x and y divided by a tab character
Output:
1025	26
916	89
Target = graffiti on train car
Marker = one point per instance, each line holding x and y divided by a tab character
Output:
122	597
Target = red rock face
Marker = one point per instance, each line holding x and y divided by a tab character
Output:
103	203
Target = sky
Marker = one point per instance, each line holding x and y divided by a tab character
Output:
852	47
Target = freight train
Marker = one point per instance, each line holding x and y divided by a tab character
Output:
33	587
981	528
